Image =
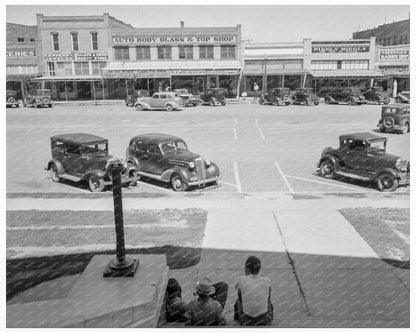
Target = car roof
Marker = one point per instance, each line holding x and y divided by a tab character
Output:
396	106
78	138
155	137
362	136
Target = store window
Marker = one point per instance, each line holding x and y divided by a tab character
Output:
354	64
293	64
250	81
82	68
324	65
94	41
55	41
164	52
206	52
63	68
51	68
274	81
183	81
74	38
186	52
97	67
229	82
142	52
121	53
227	51
20	40
255	65
292	81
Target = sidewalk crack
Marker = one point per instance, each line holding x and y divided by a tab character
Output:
292	264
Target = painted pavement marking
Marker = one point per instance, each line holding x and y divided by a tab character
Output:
237	178
260	131
284	178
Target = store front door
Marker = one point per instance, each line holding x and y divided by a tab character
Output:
84	90
200	84
212	82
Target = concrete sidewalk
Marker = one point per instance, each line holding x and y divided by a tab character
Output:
323	273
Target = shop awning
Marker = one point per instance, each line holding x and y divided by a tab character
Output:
63	78
345	74
152	69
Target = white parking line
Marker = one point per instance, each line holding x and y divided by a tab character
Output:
284	177
237	178
235	134
222	182
324	183
261	132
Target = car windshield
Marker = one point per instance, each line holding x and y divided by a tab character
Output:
172	146
377	145
95	148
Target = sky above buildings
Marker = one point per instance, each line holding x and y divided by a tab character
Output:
260	23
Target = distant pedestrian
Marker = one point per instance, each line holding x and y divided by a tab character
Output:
253	306
207	309
256	89
395	88
175	305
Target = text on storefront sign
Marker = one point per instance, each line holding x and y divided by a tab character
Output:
394	54
341	49
72	56
20	53
174	40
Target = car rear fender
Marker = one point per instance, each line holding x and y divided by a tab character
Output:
330	98
132	159
185	174
58	164
94	172
143	104
331	158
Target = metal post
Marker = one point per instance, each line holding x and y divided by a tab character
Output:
121	266
66	92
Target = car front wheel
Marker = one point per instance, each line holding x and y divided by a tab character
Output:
387	182
96	184
169	107
327	100
327	169
139	107
386	101
54	173
178	184
405	128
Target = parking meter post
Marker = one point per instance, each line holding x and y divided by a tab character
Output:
121	266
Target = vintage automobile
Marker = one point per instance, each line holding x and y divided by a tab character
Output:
166	158
131	99
38	98
276	96
168	101
363	156
187	97
376	95
84	157
11	98
351	96
305	96
214	96
395	117
403	97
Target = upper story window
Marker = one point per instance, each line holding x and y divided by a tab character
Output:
51	68
82	68
206	52
20	40
32	39
121	53
94	41
164	52
186	52
227	51
142	52
74	39
55	41
97	67
63	68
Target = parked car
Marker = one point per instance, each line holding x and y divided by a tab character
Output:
131	99
11	98
39	98
187	97
213	96
83	157
363	156
305	96
403	97
168	100
276	96
351	96
376	95
395	118
166	158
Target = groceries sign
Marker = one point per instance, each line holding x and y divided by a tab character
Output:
394	54
147	40
20	53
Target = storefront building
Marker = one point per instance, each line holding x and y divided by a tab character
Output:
160	59
21	57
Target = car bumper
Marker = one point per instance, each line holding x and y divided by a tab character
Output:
124	179
404	178
204	181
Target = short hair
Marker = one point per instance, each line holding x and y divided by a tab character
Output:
253	264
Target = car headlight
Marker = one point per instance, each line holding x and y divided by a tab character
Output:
191	165
207	163
401	164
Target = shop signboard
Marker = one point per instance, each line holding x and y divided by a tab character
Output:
348	48
394	54
188	72
176	39
72	56
135	74
20	53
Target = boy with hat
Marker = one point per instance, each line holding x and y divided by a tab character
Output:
175	305
206	310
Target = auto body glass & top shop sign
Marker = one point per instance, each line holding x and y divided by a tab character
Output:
186	39
341	49
72	56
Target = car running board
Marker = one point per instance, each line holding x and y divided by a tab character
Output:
149	175
70	177
351	175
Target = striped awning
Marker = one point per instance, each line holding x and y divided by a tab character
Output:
346	74
63	78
